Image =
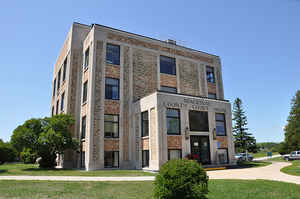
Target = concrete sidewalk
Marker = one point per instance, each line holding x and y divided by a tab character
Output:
271	172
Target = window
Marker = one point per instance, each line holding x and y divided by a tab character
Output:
198	121
83	159
86	58
145	124
65	70
212	95
173	121
223	156
174	154
145	158
111	159
220	124
83	127
113	54
111	126
62	102
52	111
210	75
57	106
54	87
84	93
167	65
58	80
111	88
168	89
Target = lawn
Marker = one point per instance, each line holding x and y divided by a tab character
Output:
263	154
294	169
218	189
34	170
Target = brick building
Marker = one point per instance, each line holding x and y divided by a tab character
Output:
138	101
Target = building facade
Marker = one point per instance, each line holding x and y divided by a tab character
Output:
138	101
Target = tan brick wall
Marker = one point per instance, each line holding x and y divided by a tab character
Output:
111	107
112	71
97	106
144	73
126	103
223	140
189	82
145	143
153	134
111	144
168	80
152	46
174	142
63	54
211	87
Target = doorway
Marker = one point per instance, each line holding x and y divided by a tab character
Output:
200	147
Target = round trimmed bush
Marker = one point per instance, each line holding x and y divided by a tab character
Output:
181	179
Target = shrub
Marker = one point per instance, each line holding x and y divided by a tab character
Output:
7	153
28	156
181	179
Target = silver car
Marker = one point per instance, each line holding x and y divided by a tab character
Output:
294	155
242	157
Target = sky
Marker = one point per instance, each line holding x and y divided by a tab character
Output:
257	41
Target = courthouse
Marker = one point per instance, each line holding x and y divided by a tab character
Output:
139	102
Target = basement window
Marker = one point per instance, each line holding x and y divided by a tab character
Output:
111	159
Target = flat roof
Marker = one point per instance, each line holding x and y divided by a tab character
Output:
165	42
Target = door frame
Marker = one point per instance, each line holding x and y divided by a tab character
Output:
208	147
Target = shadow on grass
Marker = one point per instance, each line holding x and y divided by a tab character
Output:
247	165
47	169
3	170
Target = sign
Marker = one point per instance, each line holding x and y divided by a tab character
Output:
193	104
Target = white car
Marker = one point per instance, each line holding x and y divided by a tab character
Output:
242	157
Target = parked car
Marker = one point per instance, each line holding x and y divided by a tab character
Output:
294	155
242	157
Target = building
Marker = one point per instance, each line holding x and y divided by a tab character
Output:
139	101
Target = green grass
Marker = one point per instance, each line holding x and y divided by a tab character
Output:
218	189
277	159
262	154
34	170
294	169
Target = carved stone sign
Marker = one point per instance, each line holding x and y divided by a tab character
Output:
193	104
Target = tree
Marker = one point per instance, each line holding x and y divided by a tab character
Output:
242	139
292	129
7	152
47	137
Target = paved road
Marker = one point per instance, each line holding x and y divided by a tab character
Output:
271	172
266	158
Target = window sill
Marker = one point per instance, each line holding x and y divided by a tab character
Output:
84	103
145	137
113	138
168	74
85	69
82	139
173	134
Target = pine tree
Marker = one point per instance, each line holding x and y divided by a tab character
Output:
292	129
242	139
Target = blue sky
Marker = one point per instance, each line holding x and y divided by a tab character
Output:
258	42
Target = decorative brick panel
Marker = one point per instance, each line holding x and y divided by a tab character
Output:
223	140
153	134
174	142
83	146
211	87
152	46
126	102
145	143
112	107
83	110
144	73
97	98
85	75
111	145
112	71
168	80
189	83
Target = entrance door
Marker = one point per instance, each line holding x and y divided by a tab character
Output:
200	147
